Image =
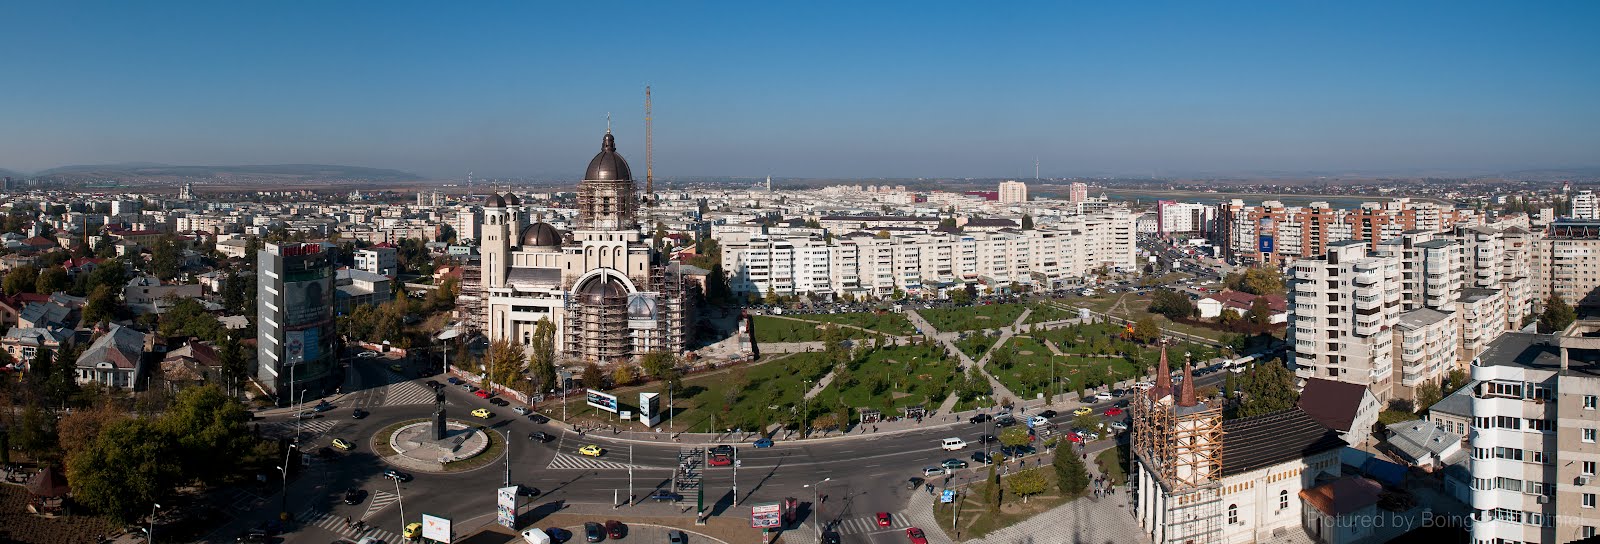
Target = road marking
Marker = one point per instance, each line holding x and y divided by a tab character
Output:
574	462
380	500
407	393
336	525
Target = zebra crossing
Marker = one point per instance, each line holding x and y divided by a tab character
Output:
308	429
406	393
240	500
336	525
857	526
380	500
575	462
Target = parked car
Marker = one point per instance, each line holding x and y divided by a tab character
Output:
557	534
677	537
538	418
980	418
953	463
1119	426
522	410
934	471
454	380
1113	412
616	529
830	537
593	532
980	457
1047	413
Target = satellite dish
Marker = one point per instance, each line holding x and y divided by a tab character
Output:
446	335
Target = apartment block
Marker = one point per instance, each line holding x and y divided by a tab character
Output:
378	260
1425	342
1570	262
1274	233
1344	307
1012	192
1534	445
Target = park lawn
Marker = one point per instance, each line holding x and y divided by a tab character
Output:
1138	308
976	344
990	316
886	322
739	397
975	519
891	378
1045	312
1029	374
1114	464
771	329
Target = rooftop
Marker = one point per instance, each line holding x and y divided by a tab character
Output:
1474	294
1332	403
1266	440
1421	317
1343	496
1419	440
1537	352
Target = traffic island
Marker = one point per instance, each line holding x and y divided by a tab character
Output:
411	445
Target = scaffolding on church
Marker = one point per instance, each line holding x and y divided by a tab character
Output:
1182	447
597	323
667	279
470	304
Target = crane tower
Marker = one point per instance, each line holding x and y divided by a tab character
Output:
649	150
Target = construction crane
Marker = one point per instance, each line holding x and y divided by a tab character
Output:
649	151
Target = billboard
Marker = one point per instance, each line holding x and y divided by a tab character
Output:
435	528
643	310
305	302
650	408
1265	244
767	515
507	511
602	401
301	346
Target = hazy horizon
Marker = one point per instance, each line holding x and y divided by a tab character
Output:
817	91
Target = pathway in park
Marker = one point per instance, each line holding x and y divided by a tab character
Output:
1000	390
821	323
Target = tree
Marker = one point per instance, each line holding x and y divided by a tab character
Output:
1027	222
1456	379
35	431
1428	394
209	431
504	361
1260	313
592	377
1014	436
1027	483
1256	280
623	374
1146	331
51	280
233	360
1556	317
129	466
165	258
21	279
1071	476
1088	421
101	306
1265	388
188	317
542	353
1172	304
991	490
1001	358
960	297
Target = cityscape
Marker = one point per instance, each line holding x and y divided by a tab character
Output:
1239	274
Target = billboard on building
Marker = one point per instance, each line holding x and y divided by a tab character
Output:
305	302
642	310
435	528
301	346
507	507
602	401
650	408
767	515
1265	244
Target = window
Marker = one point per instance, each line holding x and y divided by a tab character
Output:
1588	531
1283	500
1588	468
1588	500
1509	484
1589	401
1539	456
1588	435
1543	425
1508	422
1233	514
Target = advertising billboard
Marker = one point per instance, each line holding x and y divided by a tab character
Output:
602	401
1265	244
305	302
650	408
507	507
767	515
435	528
642	311
301	346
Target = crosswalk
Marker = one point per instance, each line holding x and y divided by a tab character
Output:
575	462
406	393
856	526
308	429
240	500
380	500
336	524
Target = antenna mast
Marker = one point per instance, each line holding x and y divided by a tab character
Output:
649	149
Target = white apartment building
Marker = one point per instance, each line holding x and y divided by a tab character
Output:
1184	216
1535	407
1077	192
1012	192
378	260
1425	343
1584	205
1343	307
1431	270
1482	316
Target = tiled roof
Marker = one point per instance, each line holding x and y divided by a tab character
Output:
1332	403
1270	439
1343	496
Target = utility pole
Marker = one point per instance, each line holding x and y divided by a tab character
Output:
508	458
152	534
736	476
805	399
630	474
402	500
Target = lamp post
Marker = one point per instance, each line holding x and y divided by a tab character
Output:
815	511
283	512
805	422
152	534
402	501
508	457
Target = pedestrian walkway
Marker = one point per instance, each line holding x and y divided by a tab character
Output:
307	430
869	524
919	513
574	462
380	500
337	525
407	393
239	500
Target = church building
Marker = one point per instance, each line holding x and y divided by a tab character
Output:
610	295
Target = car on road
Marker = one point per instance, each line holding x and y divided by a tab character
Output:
591	450
557	534
763	443
497	401
953	463
719	461
354	496
413	530
1047	413
1113	412
1089	435
830	537
980	457
396	475
593	532
538	418
481	394
468	387
677	537
358	414
916	535
367	354
980	418
522	410
1119	426
1104	396
1005	420
482	413
988	438
721	449
1083	411
934	471
952	444
322	407
540	436
616	529
454	380
432	383
665	495
884	520
1037	421
343	445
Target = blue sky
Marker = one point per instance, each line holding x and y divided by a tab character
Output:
913	89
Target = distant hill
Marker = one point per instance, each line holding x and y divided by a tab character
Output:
13	174
298	171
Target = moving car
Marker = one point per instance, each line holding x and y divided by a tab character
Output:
593	532
1083	411
719	461
413	530
481	413
358	414
481	394
953	463
988	439
952	444
343	445
396	475
884	520
1103	396
763	443
591	450
1047	413
540	436
830	537
354	496
1113	411
665	495
616	529
916	535
538	418
722	449
1038	420
322	407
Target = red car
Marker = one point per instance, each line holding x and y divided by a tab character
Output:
884	520
719	461
1113	411
916	535
1074	437
482	394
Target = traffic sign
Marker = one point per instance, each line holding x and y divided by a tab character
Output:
948	496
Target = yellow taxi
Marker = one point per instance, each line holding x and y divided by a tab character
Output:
481	412
1083	411
343	445
591	450
413	530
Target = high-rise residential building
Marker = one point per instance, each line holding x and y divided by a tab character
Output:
1343	308
378	260
1535	408
1431	269
1012	192
1568	262
1584	206
297	344
1077	192
1272	232
1184	217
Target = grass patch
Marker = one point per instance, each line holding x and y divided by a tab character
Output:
770	329
884	322
1135	307
497	445
745	397
976	520
990	316
1114	464
1045	312
891	378
975	345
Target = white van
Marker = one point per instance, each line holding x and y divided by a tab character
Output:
952	444
535	535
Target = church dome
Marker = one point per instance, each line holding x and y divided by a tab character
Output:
608	165
494	201
540	234
512	200
602	290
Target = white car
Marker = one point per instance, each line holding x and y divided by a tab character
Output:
1103	396
1143	386
1038	420
934	471
1119	426
952	444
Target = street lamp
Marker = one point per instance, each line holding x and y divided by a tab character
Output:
815	511
151	536
805	398
402	501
